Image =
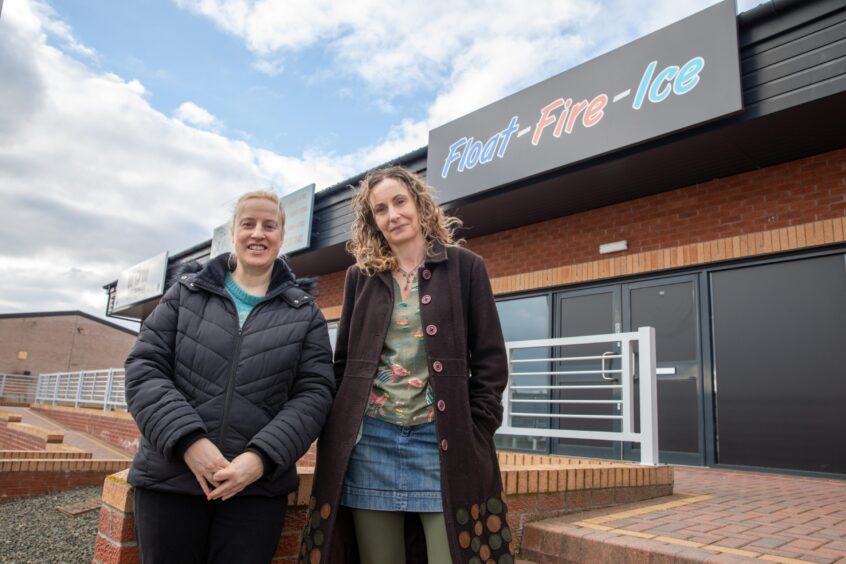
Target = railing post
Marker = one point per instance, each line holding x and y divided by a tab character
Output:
79	387
2	385
506	397
648	397
627	381
108	395
56	388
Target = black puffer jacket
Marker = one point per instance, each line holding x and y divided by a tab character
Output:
266	387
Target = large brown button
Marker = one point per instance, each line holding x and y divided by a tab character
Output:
325	511
441	405
426	274
474	511
444	444
314	557
478	528
464	539
425	299
484	552
494	523
431	330
437	366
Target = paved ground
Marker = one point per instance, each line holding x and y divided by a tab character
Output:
724	516
100	450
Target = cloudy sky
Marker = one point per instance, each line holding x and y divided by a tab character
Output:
128	128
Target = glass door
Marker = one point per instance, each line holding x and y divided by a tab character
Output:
595	311
671	306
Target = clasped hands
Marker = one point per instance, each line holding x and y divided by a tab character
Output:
220	478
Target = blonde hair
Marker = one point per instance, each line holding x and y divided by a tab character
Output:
369	247
255	195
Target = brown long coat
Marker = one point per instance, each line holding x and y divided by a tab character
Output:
463	337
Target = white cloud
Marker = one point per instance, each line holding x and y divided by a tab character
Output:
93	179
192	114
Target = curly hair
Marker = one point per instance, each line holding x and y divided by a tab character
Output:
369	247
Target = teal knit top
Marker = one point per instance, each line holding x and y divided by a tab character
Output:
244	302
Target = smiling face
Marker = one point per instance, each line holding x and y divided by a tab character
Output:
395	213
257	233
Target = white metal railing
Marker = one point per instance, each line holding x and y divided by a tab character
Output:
17	388
636	358
102	388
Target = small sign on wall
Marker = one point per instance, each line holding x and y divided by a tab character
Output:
141	282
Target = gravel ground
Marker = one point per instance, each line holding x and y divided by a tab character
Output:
33	530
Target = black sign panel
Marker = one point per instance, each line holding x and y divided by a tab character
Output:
685	74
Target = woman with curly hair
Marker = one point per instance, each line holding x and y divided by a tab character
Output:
407	469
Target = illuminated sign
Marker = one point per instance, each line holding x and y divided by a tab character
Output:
680	76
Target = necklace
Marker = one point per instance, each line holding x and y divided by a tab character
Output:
409	276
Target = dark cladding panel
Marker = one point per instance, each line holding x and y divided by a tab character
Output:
780	364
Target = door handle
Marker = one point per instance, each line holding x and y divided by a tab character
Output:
604	376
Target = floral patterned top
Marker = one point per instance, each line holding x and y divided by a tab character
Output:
401	393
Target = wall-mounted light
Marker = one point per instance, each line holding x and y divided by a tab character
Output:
614	247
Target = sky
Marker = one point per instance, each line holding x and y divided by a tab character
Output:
130	128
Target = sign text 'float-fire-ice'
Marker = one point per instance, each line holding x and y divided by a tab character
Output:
649	88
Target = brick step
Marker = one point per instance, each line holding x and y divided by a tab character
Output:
583	538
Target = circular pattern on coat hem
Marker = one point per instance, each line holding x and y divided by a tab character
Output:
495	541
462	516
464	539
325	511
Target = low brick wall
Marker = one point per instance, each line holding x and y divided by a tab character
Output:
20	478
116	542
541	487
536	487
20	436
66	453
114	427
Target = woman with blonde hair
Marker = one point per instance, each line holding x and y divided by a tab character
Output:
407	470
230	382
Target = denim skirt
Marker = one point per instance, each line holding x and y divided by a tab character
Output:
394	468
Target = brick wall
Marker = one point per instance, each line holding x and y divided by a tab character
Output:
801	193
11	439
114	427
21	436
33	477
60	344
537	487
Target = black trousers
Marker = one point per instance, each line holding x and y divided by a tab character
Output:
187	528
